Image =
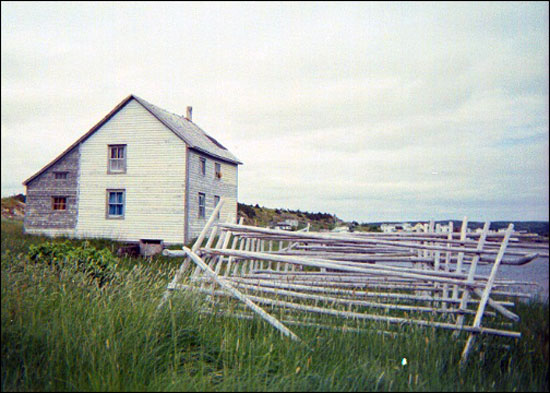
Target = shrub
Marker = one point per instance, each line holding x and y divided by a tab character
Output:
97	264
248	210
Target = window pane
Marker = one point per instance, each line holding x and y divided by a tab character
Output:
112	197
119	197
203	165
112	210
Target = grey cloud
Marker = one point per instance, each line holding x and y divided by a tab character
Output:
346	108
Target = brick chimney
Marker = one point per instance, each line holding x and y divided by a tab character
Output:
189	113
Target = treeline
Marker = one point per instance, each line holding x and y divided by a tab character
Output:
249	211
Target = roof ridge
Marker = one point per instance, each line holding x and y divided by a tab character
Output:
183	118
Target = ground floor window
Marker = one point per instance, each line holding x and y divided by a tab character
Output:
115	203
202	206
59	203
216	201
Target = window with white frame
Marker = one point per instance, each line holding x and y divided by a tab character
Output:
117	159
115	203
202	205
218	170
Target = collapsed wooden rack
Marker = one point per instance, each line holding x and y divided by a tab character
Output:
429	279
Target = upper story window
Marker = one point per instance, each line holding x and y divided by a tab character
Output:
60	175
218	171
202	205
117	159
203	165
115	203
59	203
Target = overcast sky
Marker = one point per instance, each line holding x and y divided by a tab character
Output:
390	111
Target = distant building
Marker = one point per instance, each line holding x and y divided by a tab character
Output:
419	227
292	222
283	226
389	228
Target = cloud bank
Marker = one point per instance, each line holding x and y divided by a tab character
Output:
391	111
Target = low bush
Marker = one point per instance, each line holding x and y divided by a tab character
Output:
99	265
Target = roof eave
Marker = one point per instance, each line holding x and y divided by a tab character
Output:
236	162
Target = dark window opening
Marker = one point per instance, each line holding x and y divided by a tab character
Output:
59	203
203	166
202	206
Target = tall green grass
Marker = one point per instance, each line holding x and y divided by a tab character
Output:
60	331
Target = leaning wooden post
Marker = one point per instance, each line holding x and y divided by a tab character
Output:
196	245
485	295
269	249
224	245
471	274
460	257
208	244
233	246
228	287
447	265
239	263
219	244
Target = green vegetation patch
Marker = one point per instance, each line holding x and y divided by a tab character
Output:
99	265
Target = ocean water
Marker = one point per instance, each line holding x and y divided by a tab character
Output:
535	271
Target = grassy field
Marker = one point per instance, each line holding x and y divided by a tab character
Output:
61	332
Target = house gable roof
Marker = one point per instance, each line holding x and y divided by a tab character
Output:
185	129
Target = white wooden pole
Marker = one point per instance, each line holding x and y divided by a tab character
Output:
485	294
236	293
179	274
471	273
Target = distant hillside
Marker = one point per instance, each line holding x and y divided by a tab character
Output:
265	216
14	207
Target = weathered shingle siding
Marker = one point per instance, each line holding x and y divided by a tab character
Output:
154	181
39	214
225	187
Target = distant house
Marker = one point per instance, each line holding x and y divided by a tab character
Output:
292	222
420	227
283	226
140	173
389	228
341	229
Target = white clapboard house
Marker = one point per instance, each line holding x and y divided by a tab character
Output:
141	173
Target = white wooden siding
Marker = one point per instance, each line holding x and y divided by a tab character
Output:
225	187
154	181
